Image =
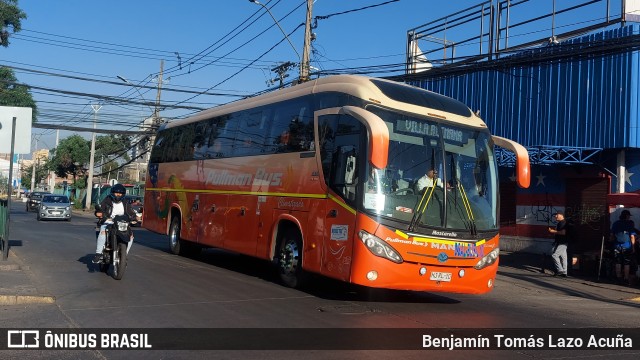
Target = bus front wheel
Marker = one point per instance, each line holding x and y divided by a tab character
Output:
290	259
179	246
174	236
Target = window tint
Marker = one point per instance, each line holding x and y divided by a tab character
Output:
340	140
276	128
421	97
201	140
223	137
291	127
251	135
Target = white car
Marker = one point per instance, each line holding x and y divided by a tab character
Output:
57	207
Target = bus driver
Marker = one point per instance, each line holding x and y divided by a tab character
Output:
430	179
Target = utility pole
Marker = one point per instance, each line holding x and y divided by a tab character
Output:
156	111
304	64
87	203
33	167
52	174
281	72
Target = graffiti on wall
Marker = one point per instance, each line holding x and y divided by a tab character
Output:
588	215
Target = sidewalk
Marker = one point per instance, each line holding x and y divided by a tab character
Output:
526	266
16	284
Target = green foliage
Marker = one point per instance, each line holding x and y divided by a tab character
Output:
71	157
110	146
12	94
10	16
42	171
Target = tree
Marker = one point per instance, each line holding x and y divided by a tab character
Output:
112	146
10	16
13	94
42	171
71	157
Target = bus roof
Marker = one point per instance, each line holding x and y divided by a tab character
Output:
373	90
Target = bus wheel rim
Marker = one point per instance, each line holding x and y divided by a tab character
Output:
173	238
289	257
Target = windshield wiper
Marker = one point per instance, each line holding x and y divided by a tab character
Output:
465	200
419	209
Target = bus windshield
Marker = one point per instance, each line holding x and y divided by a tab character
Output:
438	175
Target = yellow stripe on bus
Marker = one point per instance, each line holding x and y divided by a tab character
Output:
231	192
447	242
347	207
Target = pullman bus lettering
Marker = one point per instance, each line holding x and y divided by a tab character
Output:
261	176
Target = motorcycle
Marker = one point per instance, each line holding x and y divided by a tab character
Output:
114	254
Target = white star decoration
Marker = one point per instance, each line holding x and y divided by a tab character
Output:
627	177
541	180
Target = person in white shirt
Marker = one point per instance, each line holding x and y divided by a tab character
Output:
110	207
430	179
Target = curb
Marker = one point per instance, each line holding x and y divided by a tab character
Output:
14	299
26	299
9	267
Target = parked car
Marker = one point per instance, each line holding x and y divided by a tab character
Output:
56	207
34	199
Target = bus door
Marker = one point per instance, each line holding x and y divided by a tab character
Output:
340	140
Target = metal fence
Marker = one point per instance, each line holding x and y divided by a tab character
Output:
4	227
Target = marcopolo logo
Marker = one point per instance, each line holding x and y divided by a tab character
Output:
23	339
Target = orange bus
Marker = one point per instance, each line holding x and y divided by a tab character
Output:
331	177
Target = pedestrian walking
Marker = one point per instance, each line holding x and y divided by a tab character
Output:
559	250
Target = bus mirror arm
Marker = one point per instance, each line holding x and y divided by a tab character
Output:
378	132
523	170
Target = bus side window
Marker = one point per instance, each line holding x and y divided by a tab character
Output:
340	138
292	128
327	125
201	140
224	137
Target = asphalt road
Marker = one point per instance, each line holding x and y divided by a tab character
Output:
222	290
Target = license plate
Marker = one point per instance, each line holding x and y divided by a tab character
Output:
56	212
440	276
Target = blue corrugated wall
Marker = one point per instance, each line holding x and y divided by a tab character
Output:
578	103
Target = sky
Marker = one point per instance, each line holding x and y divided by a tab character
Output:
79	53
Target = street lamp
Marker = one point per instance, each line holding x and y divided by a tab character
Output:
277	23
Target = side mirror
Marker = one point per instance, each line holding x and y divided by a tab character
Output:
98	207
72	203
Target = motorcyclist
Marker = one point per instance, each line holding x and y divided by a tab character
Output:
112	206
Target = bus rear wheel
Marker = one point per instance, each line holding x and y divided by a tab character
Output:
290	259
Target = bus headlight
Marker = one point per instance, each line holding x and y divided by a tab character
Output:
379	247
487	260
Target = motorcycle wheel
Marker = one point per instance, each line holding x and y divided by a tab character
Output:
119	261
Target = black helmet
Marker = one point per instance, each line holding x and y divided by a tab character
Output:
117	192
